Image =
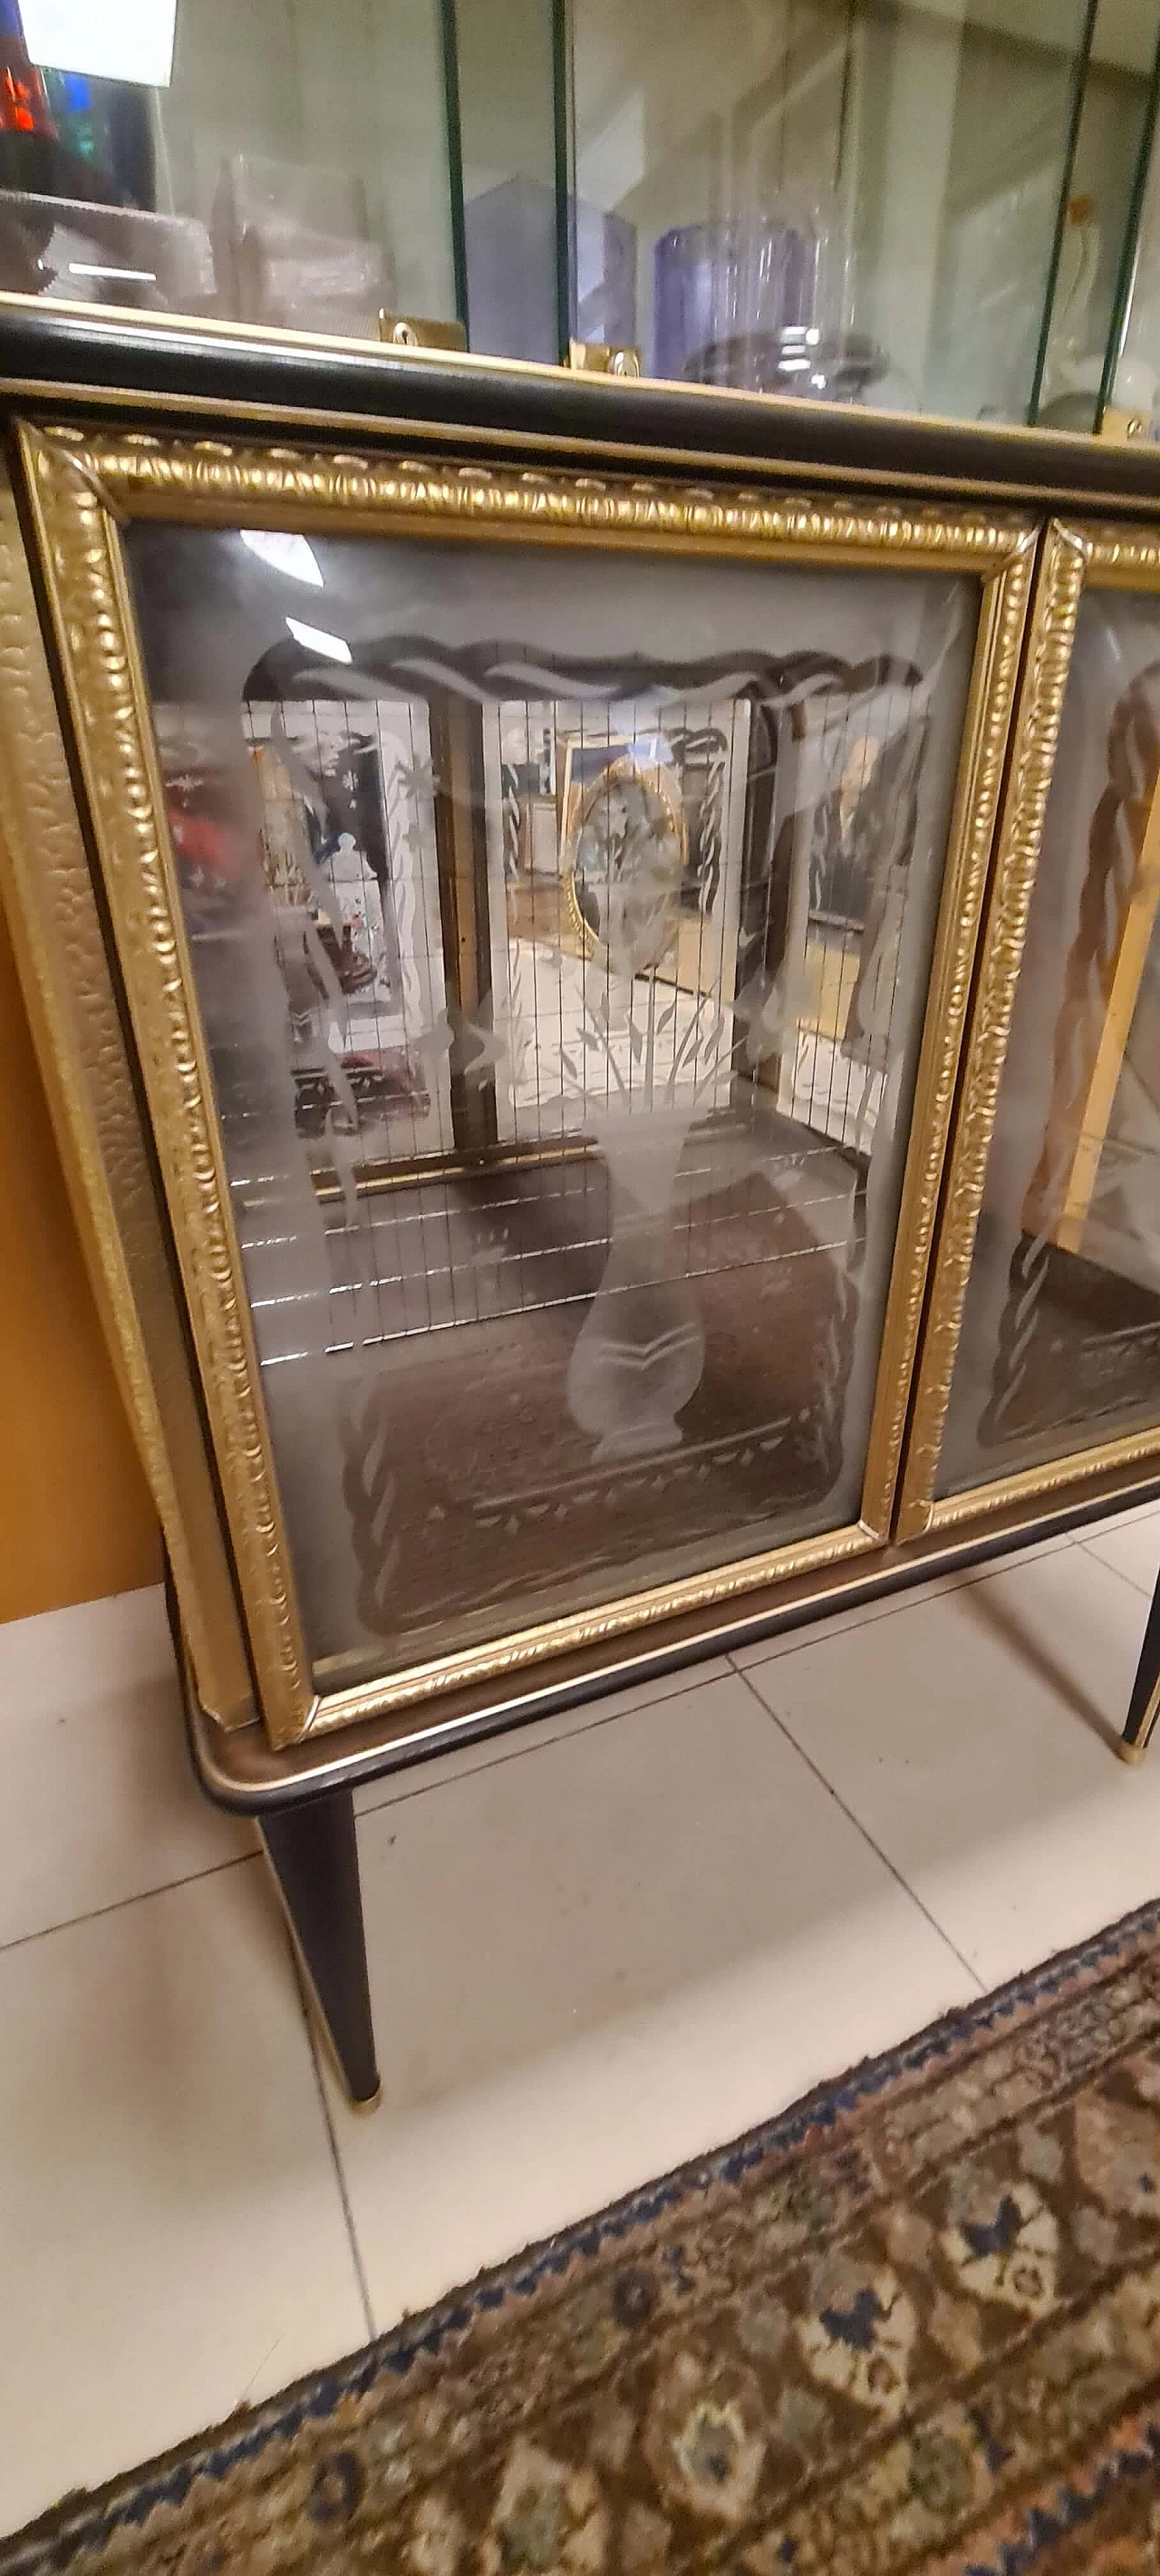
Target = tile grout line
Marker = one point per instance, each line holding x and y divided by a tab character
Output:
699	1679
335	2156
909	1596
867	1837
812	1632
140	1896
1143	1592
812	1629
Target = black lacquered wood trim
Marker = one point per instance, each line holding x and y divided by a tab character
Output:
69	360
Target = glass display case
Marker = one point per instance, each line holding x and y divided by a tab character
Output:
912	208
567	921
599	983
850	202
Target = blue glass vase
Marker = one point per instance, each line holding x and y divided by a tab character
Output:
726	294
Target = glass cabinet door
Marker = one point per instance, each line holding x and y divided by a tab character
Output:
292	169
1057	1367
558	921
848	202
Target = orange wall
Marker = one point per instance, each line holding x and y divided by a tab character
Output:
75	1517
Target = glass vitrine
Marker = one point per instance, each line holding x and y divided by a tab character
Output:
854	203
918	208
545	916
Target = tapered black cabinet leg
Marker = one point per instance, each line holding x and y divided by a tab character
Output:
314	1857
1144	1704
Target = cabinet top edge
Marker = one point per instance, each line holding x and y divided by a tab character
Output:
163	371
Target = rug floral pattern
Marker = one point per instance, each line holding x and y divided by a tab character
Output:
915	2323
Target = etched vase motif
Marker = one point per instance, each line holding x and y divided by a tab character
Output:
639	1355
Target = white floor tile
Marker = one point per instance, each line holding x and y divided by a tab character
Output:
1131	1545
835	1623
173	2239
609	1955
973	1736
418	1777
97	1798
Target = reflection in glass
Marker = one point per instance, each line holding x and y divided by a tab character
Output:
292	172
1061	1330
562	956
1131	316
1095	240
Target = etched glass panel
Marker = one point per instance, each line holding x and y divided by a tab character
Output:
560	923
1060	1341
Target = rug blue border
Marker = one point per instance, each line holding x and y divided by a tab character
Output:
87	2522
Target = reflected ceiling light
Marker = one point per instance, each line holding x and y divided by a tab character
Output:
294	556
96	268
316	642
125	40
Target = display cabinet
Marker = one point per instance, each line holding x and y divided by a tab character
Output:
920	209
556	907
598	982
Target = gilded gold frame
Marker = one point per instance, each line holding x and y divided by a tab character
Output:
1075	556
82	487
44	879
622	767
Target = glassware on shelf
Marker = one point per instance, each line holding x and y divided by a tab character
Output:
760	302
512	283
291	247
837	200
1075	363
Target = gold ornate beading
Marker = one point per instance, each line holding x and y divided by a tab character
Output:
96	633
1055	1476
582	1629
80	1047
1066	555
985	739
222	485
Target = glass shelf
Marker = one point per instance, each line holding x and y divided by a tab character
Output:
922	207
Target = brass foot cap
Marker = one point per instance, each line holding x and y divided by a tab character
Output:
371	2102
1130	1752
